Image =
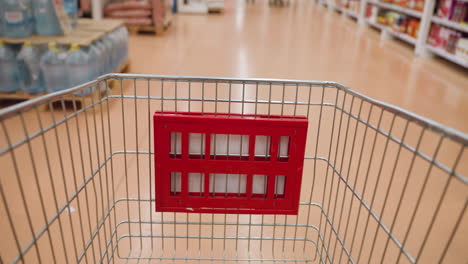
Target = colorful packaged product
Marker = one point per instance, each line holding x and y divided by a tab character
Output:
461	49
445	8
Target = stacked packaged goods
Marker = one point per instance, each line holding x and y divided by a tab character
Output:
140	13
22	18
35	68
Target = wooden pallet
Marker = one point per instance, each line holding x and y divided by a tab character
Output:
124	68
7	99
70	101
155	30
215	10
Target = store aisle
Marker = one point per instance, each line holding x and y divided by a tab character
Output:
305	41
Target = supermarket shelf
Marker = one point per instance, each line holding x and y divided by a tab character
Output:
402	36
450	24
351	13
398	35
444	54
426	17
396	8
339	8
376	25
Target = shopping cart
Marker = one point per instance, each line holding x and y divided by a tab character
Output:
380	184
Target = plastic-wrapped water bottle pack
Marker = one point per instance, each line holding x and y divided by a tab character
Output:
22	18
37	68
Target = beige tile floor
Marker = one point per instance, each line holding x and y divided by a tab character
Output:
301	41
304	41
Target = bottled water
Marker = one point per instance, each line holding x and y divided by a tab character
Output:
71	8
94	54
103	57
78	67
30	75
17	19
124	33
9	71
122	38
46	19
109	53
53	68
115	55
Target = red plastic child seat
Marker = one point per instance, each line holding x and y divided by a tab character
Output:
228	163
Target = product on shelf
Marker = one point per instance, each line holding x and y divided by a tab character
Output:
460	12
140	13
22	18
411	4
17	18
454	10
60	66
161	10
397	22
31	77
71	8
131	12
46	20
9	73
447	39
77	66
53	67
416	4
412	27
382	17
461	50
371	13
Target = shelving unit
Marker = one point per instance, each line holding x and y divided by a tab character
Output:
396	8
351	14
450	24
444	54
340	9
393	33
426	17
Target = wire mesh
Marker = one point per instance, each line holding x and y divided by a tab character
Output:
380	184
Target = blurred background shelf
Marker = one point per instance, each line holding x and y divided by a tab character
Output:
450	24
448	56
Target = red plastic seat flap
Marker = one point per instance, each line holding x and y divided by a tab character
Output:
228	163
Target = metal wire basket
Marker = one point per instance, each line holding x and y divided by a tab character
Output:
380	184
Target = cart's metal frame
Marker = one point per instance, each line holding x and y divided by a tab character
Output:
354	140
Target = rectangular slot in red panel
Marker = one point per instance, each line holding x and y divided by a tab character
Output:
228	163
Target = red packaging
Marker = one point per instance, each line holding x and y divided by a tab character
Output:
444	9
126	6
434	39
